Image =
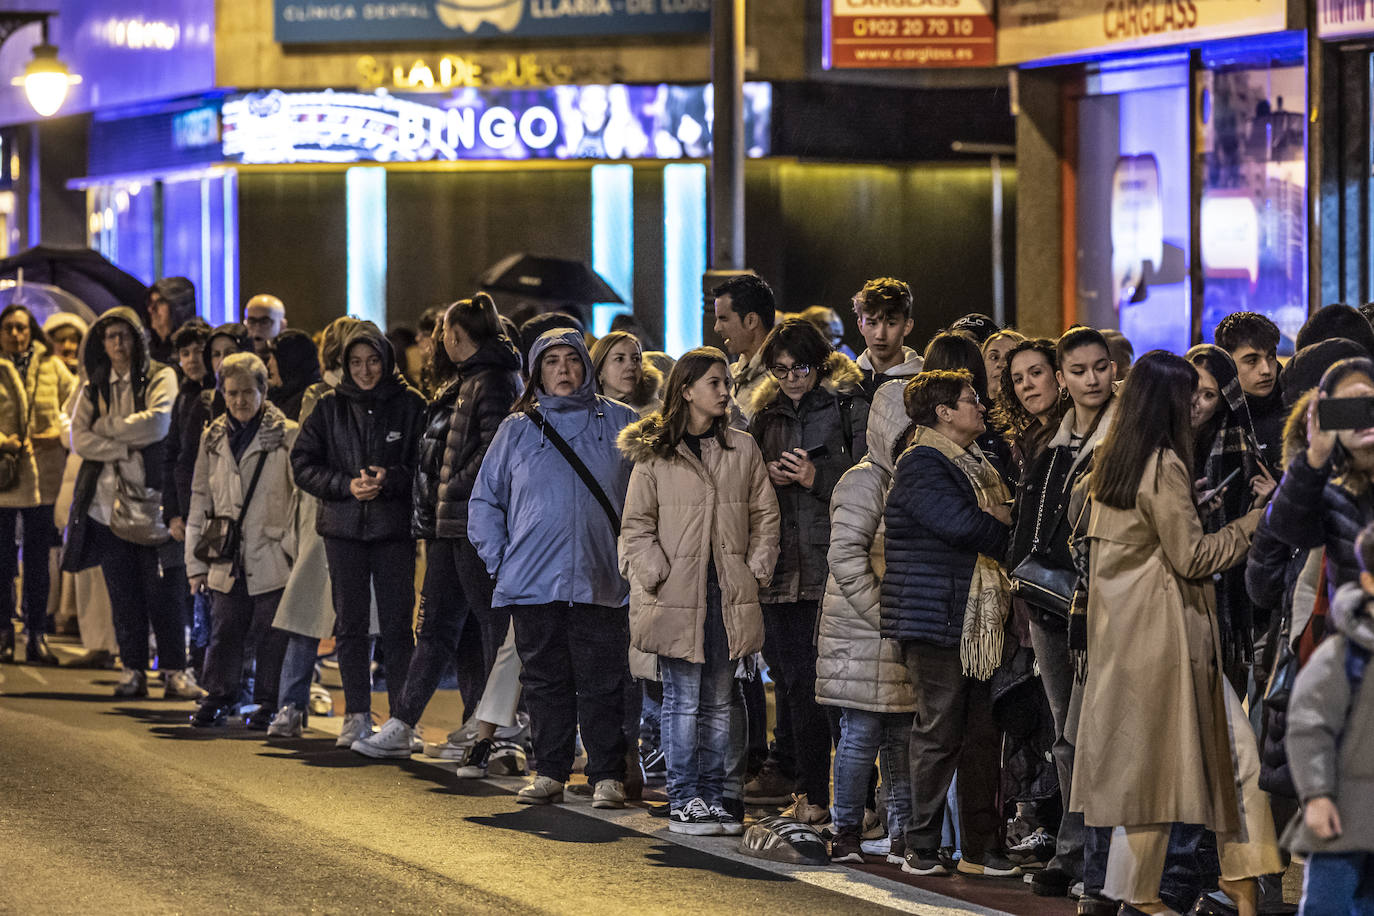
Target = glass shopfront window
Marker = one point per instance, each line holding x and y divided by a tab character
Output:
1252	117
1133	215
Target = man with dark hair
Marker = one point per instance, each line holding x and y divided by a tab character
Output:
1253	342
745	312
883	307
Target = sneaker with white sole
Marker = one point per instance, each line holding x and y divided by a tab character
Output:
474	765
507	759
544	790
395	739
181	685
356	725
729	824
992	865
289	722
694	819
923	862
321	701
610	793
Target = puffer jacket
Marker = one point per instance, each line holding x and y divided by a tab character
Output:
1331	729
1311	508
834	414
534	523
681	514
935	531
855	667
197	403
218	488
38	394
459	426
351	429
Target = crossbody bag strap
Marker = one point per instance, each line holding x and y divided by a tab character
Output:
567	452
252	487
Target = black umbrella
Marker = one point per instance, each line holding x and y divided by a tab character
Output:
542	277
84	273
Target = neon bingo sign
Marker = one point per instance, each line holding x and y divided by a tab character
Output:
559	122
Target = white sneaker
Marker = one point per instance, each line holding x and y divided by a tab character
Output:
287	723
321	701
396	739
543	791
355	725
610	793
181	685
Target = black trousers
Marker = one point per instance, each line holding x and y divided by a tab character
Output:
39	537
142	592
789	648
953	730
356	569
575	660
456	596
241	624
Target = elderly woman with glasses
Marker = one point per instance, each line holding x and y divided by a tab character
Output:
810	419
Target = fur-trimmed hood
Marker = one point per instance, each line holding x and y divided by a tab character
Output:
1295	428
636	441
649	384
841	377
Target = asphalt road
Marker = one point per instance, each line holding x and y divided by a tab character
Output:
117	806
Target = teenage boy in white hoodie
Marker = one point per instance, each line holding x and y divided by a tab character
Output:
883	307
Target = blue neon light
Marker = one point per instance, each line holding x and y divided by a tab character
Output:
684	254
365	190
613	237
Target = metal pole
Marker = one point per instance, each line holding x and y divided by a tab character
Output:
1314	162
999	295
727	150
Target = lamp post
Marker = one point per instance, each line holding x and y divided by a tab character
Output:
46	79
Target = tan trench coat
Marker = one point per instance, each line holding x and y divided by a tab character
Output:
679	514
1152	744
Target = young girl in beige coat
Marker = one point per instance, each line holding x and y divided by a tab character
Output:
698	535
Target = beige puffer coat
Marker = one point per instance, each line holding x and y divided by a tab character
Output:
41	394
681	512
855	667
269	533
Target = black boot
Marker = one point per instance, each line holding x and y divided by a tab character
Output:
7	641
37	651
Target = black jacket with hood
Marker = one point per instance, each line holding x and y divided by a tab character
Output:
459	425
351	429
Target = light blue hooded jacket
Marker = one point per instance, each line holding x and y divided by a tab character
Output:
536	526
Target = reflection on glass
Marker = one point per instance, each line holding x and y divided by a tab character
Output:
1253	211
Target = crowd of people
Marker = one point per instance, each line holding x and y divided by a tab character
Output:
1026	605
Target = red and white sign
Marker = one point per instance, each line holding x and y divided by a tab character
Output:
874	34
1345	18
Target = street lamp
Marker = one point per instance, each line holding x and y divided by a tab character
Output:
46	79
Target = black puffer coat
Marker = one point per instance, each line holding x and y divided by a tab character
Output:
1312	509
459	425
351	429
833	414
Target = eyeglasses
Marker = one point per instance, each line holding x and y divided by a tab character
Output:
797	371
263	320
975	401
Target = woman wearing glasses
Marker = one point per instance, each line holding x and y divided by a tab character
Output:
810	420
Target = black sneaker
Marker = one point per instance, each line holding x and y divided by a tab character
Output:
210	714
474	765
655	764
1034	851
845	847
259	719
695	819
992	865
896	850
1097	905
924	862
1050	882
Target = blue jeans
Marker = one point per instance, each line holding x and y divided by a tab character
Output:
865	736
696	712
1338	884
297	672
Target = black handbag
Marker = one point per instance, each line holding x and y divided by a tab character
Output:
9	461
222	536
1049	588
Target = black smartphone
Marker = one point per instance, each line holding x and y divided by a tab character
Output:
1345	413
819	451
1211	494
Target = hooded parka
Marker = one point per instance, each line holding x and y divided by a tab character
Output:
351	429
682	513
31	405
1153	744
835	414
1331	729
536	526
460	424
221	481
855	667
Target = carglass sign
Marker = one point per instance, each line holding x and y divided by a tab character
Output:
559	122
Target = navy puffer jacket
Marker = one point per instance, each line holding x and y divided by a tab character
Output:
935	532
1310	509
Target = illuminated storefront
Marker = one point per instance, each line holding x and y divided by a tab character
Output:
1180	156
